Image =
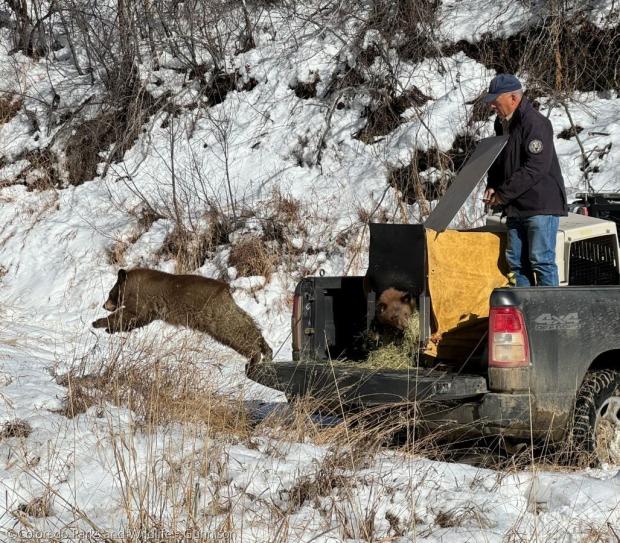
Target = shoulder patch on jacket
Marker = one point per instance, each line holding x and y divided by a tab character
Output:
535	146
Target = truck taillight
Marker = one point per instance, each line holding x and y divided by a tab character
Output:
508	344
296	326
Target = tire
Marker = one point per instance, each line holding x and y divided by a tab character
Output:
595	433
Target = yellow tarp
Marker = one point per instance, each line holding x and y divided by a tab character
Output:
463	269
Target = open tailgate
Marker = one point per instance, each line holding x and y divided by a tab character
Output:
337	383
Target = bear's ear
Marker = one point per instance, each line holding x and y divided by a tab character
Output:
122	274
381	307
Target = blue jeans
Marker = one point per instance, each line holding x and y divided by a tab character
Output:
530	252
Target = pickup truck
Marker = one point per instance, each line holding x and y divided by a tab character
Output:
545	367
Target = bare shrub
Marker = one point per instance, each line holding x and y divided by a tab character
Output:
126	108
414	188
9	106
29	35
344	77
286	208
252	256
220	228
385	115
222	83
188	246
42	173
15	428
440	168
147	216
189	249
115	130
480	111
565	53
83	147
407	24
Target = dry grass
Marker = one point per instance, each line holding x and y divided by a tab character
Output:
169	455
42	173
145	217
459	517
157	393
15	428
283	210
322	483
284	235
39	507
115	253
9	106
220	228
80	396
188	249
252	256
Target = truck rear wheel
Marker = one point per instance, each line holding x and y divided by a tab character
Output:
595	436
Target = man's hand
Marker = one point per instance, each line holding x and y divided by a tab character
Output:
488	194
491	198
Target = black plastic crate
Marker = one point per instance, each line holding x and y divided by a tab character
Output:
593	262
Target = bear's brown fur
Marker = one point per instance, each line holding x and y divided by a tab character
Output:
395	307
141	296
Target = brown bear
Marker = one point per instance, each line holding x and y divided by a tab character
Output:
395	307
141	296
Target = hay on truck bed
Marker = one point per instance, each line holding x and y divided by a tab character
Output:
397	352
398	355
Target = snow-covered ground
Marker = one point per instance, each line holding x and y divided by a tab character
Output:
103	471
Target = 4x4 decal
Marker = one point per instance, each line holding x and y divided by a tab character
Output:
547	321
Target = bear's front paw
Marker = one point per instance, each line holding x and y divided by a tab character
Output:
100	323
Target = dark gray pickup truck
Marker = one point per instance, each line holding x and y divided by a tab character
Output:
546	366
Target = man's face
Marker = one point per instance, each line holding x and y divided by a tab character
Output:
505	104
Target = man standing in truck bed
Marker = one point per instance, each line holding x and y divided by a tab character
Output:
526	181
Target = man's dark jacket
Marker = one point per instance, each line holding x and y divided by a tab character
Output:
526	175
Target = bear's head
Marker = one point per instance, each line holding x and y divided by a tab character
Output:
115	297
394	308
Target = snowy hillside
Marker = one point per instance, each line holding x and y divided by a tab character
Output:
254	152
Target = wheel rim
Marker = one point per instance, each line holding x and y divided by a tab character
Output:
607	431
